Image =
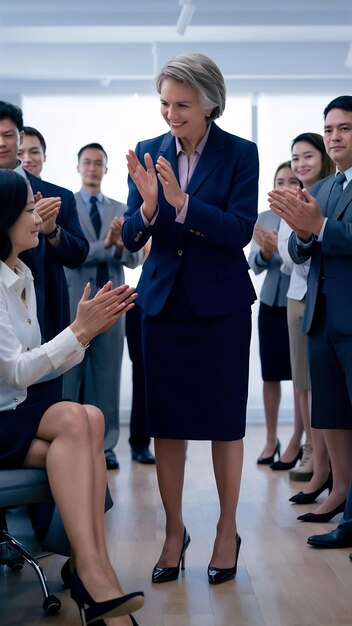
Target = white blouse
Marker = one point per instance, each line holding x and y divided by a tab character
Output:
23	360
299	273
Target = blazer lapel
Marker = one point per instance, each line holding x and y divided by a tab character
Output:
108	214
84	218
209	159
168	151
344	200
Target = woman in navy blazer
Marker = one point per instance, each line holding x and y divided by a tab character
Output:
194	192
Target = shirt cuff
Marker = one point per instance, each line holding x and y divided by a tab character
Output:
152	221
304	244
321	234
181	215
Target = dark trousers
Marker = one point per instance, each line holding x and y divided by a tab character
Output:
139	438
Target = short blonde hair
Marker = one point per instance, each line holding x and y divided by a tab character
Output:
201	73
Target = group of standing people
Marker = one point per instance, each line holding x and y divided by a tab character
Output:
193	194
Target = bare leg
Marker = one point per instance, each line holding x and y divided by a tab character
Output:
339	445
170	456
295	441
271	397
64	445
227	460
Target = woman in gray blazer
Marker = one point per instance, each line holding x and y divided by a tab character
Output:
272	319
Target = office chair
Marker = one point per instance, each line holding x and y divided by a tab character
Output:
19	487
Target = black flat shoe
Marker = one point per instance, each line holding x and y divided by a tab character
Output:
144	456
322	517
268	460
340	537
281	465
111	460
217	575
165	574
308	498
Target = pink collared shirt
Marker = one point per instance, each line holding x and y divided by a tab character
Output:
186	169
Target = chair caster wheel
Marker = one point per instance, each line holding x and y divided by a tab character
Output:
51	605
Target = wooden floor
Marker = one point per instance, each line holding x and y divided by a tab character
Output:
280	580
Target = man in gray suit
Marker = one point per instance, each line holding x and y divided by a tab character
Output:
97	379
322	225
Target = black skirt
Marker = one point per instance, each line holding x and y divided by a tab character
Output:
196	372
18	427
274	344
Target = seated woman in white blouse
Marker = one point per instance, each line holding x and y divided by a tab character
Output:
66	438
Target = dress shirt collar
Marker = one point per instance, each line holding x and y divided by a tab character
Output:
19	169
199	148
348	174
87	196
15	280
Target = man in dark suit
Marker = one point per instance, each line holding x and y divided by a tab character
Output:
322	225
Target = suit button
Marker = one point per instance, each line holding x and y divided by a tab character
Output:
180	252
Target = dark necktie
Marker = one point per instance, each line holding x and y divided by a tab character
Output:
102	268
335	194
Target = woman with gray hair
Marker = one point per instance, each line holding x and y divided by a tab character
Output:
193	191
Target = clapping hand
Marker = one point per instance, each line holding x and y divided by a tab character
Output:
48	209
101	312
299	210
267	240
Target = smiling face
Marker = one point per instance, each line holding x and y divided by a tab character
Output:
92	168
306	163
10	138
31	154
24	233
285	178
182	111
338	137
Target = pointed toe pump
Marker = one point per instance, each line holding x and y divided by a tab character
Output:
282	465
217	575
268	460
322	517
166	574
309	498
92	611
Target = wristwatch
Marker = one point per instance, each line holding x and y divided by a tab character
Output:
54	233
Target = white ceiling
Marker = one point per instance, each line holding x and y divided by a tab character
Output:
115	46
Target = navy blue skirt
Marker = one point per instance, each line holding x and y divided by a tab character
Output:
196	372
274	346
18	427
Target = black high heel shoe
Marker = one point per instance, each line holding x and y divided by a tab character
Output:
66	574
309	498
267	460
322	517
282	465
218	575
165	574
109	608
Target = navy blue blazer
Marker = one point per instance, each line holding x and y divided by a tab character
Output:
47	261
335	251
222	210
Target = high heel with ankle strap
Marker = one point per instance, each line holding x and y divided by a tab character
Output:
165	574
109	608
